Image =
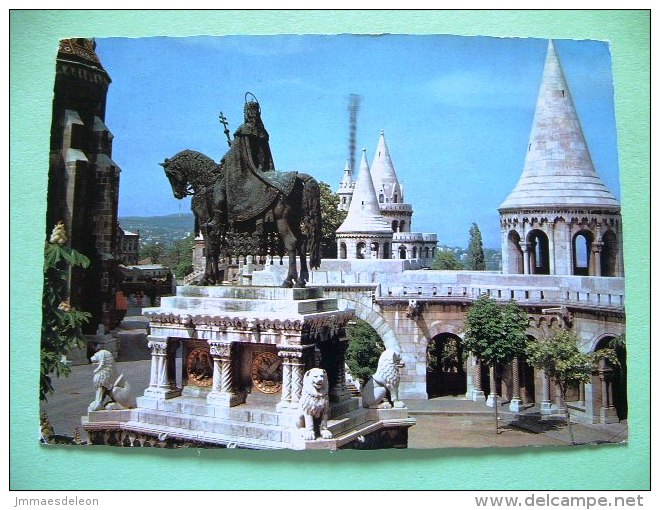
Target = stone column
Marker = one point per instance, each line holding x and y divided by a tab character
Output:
581	393
478	393
546	403
493	387
293	370
559	407
594	263
551	248
516	402
162	383
223	393
525	251
338	390
607	410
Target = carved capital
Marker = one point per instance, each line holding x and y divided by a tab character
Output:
220	350
158	347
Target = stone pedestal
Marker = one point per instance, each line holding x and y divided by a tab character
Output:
219	330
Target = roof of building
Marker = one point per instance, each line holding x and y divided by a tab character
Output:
364	214
383	174
558	169
82	51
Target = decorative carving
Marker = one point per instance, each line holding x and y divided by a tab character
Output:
382	390
107	384
200	368
314	406
414	309
266	372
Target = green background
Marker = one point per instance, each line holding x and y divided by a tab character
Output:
34	39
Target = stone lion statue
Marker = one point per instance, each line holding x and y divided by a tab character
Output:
314	406
107	384
382	390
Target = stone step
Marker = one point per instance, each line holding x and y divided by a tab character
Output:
205	437
197	424
221	304
249	292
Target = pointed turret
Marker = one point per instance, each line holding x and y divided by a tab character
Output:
346	187
558	169
384	176
560	207
364	214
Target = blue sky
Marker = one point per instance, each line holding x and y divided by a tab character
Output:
457	112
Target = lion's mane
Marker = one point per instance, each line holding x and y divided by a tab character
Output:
387	372
314	401
104	375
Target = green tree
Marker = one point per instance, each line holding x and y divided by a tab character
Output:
364	350
446	260
496	334
153	251
475	256
331	220
178	256
61	323
561	359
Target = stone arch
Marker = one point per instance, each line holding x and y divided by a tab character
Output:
427	252
386	250
612	380
375	247
414	252
514	253
381	198
342	251
539	252
395	226
445	366
609	254
403	252
365	312
402	226
581	249
360	249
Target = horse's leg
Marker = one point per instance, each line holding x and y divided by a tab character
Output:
302	253
290	243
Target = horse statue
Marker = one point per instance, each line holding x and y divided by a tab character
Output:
192	173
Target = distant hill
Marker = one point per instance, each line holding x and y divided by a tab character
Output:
159	229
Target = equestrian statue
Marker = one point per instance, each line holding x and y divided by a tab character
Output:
241	202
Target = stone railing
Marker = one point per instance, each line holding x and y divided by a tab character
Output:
396	207
188	279
529	289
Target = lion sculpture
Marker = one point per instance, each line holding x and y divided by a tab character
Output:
382	390
314	406
107	384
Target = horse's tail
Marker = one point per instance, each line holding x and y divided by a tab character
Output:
311	202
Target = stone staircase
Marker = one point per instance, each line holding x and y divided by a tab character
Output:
247	426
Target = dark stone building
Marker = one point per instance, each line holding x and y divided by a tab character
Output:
83	186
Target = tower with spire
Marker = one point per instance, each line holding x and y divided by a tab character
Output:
364	234
560	218
388	189
346	188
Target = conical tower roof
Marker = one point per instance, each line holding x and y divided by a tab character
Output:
364	215
558	169
383	174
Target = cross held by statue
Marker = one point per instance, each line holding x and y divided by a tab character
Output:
223	121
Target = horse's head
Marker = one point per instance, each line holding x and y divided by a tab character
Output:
177	176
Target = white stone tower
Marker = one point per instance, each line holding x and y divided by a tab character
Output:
560	218
364	233
346	188
389	190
